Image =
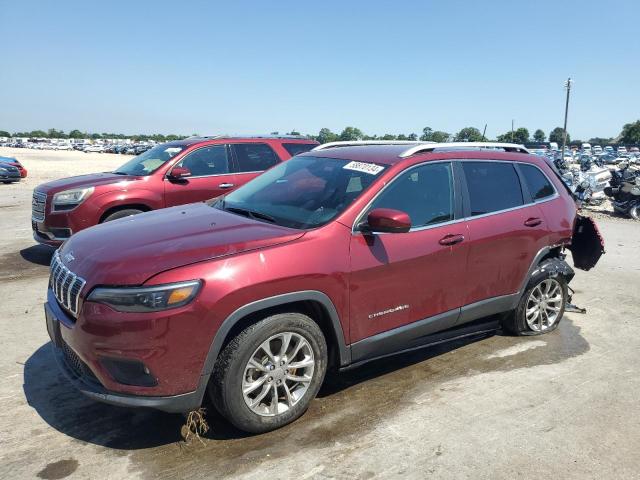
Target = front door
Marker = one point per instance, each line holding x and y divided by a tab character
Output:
210	177
400	278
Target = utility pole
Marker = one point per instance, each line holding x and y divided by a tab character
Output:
484	139
512	131
567	85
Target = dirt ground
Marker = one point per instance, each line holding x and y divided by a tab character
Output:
565	405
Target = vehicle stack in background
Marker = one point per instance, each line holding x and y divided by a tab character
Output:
596	173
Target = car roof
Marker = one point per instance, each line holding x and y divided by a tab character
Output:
393	154
249	138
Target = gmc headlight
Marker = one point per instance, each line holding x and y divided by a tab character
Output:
72	197
146	299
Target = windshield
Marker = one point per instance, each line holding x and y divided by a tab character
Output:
304	192
148	162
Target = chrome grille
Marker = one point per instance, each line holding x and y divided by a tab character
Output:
38	206
66	285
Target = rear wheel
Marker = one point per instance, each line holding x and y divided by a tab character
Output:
268	374
634	212
121	214
541	307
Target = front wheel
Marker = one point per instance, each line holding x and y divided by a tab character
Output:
541	307
268	374
634	212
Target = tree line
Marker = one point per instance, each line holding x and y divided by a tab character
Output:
630	135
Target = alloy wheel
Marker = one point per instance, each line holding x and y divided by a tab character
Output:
544	305
278	374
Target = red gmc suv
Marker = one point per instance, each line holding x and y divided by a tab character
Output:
175	173
338	256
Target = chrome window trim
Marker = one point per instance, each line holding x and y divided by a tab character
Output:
413	229
459	220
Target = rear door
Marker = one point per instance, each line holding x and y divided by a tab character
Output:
505	230
251	159
211	176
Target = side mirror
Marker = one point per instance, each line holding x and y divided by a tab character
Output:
386	220
178	173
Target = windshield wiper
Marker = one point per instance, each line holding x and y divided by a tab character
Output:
250	214
120	173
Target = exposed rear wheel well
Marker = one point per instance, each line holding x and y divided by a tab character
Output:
135	206
311	308
553	253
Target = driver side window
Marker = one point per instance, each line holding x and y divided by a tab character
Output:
424	192
206	161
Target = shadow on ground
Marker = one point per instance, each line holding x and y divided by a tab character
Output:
349	403
38	254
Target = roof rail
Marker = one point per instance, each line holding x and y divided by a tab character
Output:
507	147
292	137
356	143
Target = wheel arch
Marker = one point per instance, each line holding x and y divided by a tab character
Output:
552	258
117	208
315	304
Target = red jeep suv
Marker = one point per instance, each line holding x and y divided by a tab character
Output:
175	173
338	256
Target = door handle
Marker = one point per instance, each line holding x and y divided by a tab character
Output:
532	222
226	185
451	239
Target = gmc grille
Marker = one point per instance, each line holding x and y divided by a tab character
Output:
66	285
37	206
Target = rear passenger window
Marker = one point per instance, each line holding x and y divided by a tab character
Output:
425	193
296	148
492	186
538	184
254	157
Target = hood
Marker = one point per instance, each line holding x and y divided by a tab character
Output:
90	180
131	250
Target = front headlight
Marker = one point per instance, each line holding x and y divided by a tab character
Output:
146	299
72	197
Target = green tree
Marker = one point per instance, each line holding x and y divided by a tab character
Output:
325	136
76	134
430	135
413	137
601	141
539	135
36	133
4	133
556	136
631	133
351	134
469	134
521	135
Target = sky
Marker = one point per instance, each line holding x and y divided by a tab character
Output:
242	67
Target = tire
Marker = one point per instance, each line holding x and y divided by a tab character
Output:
634	212
122	213
233	375
516	323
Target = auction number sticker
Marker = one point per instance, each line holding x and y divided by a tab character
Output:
370	168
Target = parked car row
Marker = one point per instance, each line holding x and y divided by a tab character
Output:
11	170
345	253
127	149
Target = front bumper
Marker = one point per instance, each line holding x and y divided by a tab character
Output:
10	177
82	368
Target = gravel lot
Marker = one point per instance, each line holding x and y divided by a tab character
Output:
565	405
